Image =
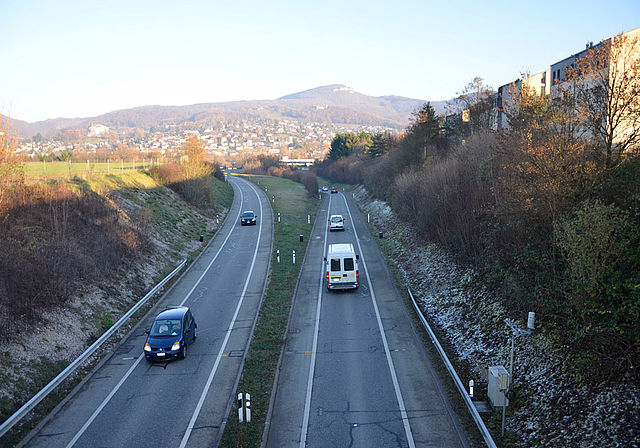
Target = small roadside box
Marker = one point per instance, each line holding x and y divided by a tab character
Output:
342	267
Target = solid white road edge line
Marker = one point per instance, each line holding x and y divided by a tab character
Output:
226	338
394	377
121	382
312	366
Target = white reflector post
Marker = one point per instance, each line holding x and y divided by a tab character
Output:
532	320
248	408
240	419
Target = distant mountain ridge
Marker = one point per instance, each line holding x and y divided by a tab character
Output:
334	103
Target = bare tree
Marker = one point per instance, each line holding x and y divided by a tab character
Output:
9	165
476	103
605	83
544	160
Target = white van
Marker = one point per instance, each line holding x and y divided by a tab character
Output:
342	267
336	222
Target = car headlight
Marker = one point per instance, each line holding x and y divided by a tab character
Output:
176	346
147	347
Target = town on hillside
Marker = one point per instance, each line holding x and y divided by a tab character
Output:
231	139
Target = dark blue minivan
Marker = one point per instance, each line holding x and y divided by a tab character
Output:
172	332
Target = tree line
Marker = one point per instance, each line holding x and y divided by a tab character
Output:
547	209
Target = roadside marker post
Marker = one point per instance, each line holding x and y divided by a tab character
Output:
240	413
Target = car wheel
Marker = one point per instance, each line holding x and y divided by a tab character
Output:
184	351
194	333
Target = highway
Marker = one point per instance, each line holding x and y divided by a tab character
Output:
354	371
129	402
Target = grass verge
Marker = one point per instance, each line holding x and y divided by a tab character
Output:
294	206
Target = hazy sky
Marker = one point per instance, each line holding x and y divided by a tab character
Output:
83	58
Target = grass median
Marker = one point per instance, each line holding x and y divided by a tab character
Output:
297	214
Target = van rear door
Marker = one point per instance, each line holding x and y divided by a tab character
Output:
335	270
342	272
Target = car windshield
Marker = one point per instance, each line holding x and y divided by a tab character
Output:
165	328
247	215
336	219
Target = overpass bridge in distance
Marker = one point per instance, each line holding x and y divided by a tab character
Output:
296	162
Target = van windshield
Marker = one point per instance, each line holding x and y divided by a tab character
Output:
348	264
335	264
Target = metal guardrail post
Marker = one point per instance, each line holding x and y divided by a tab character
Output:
474	412
24	410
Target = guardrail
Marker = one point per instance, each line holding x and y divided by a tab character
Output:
24	410
474	412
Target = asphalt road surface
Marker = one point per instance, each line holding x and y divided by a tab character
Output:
129	402
354	373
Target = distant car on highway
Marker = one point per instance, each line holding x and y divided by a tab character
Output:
336	222
334	190
172	331
248	218
325	188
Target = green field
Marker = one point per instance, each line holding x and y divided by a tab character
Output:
293	204
59	170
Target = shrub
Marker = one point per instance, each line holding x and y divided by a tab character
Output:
60	237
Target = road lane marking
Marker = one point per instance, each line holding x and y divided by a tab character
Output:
314	350
205	391
224	243
104	403
115	389
394	377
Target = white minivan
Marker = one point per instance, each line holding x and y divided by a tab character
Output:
342	267
336	222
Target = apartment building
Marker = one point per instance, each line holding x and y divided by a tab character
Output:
505	98
554	80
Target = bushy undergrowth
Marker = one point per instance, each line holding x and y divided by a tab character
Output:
550	224
191	181
53	238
